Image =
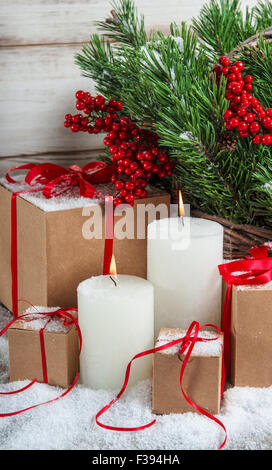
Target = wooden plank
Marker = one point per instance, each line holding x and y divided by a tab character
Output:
37	86
69	21
62	158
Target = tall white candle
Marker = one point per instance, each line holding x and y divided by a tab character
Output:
116	322
183	255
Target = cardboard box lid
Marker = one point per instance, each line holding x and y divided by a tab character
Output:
56	325
205	348
71	199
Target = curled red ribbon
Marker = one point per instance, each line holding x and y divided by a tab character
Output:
68	319
253	270
188	341
54	180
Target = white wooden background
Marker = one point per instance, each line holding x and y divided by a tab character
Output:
38	77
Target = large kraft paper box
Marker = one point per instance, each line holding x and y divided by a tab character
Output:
201	380
53	255
61	353
251	336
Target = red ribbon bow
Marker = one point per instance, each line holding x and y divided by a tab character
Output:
54	180
188	341
68	319
253	270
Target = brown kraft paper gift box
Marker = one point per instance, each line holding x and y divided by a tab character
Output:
201	380
61	353
53	255
251	333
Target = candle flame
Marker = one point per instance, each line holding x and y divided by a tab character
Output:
181	210
113	269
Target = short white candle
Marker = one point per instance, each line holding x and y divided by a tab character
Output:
184	273
116	322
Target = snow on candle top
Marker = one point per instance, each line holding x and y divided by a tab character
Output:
209	348
129	287
173	228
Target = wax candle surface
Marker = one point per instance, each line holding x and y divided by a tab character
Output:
182	265
116	322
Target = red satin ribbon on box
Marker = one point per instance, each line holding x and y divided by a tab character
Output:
54	181
188	341
253	270
68	319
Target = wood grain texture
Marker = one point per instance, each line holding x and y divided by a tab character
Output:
37	86
70	21
61	158
38	76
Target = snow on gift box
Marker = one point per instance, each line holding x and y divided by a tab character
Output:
44	346
202	378
50	255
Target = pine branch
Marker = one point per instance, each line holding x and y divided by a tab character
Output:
263	14
124	26
221	26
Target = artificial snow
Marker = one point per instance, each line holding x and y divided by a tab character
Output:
35	321
69	423
205	348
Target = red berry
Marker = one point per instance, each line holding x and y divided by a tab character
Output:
228	114
234	122
117	201
267	139
123	193
254	127
249	117
129	186
242	126
79	95
257	140
248	87
267	122
268	112
74	127
99	100
248	79
240	65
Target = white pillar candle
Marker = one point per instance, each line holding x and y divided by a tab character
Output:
182	265
116	322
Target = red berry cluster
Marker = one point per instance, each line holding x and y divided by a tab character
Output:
134	150
245	112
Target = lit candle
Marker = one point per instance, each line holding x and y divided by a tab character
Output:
116	317
183	255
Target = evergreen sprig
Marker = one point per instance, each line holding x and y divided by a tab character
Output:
166	82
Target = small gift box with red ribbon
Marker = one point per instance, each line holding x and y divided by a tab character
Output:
247	318
199	371
44	346
46	243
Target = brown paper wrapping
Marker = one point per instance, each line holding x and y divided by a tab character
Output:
61	352
251	333
201	382
53	256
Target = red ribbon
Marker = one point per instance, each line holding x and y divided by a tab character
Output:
188	341
68	319
54	180
253	270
